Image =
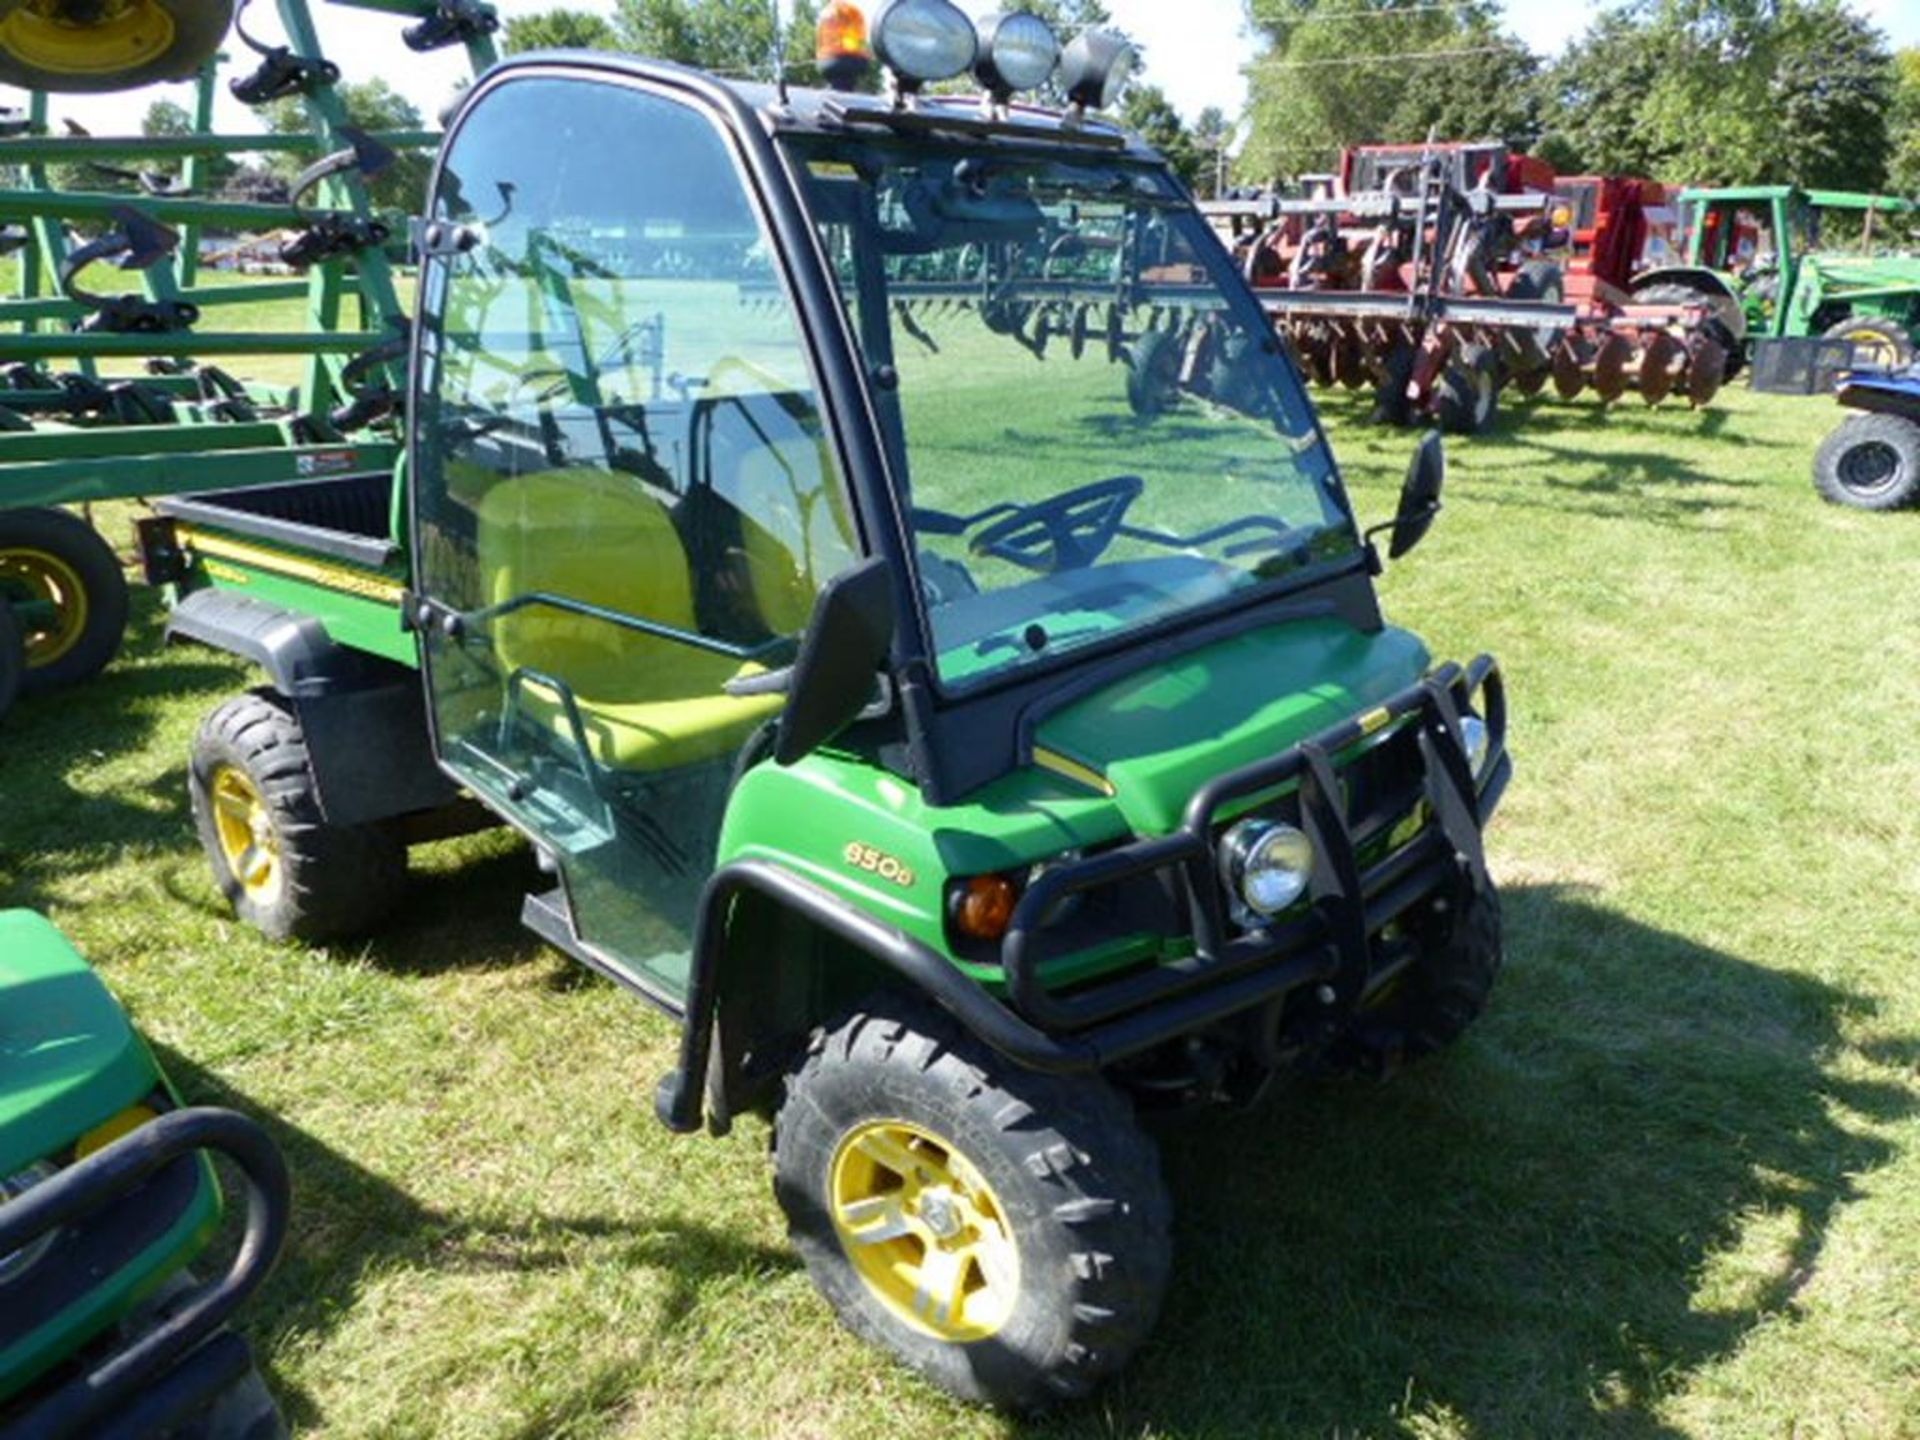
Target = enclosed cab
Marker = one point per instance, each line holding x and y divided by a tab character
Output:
879	555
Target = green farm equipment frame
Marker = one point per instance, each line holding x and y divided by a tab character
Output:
113	396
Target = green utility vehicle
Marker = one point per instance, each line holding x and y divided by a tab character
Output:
966	733
1789	263
107	1195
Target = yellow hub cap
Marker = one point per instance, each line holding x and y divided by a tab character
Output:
40	575
244	825
924	1230
87	39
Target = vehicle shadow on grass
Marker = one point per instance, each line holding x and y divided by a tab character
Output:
350	1226
1520	1238
53	823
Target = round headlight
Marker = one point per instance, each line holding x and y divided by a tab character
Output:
1266	865
1095	68
1017	52
12	1187
924	40
1478	739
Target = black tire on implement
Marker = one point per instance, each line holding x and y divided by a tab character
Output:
1075	1180
1466	398
54	555
317	881
198	27
1714	328
1871	462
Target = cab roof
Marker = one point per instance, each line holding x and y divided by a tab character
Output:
792	109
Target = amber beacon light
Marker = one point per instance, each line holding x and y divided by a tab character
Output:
841	45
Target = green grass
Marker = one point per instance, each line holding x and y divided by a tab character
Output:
1670	1186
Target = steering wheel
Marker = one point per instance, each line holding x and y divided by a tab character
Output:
1068	531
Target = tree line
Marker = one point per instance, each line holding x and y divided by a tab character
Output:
1727	92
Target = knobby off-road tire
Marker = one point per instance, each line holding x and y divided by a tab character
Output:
1437	1000
286	871
55	556
1871	462
1887	344
13	659
27	59
1053	1167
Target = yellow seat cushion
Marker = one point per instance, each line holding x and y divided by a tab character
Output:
602	537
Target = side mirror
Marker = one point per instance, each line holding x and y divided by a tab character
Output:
845	645
1420	496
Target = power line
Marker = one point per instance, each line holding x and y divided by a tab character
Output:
1345	60
1315	17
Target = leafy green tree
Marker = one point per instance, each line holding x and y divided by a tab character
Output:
1728	92
372	105
741	38
1145	108
559	29
1903	121
1333	73
165	117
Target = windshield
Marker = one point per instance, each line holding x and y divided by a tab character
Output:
1094	438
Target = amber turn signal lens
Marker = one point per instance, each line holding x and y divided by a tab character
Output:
983	907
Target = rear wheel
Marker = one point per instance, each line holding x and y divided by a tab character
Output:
286	871
1467	397
71	592
1871	462
1878	343
1002	1231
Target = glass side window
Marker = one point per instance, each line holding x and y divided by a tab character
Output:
624	488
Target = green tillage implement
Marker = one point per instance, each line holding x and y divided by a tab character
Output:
195	421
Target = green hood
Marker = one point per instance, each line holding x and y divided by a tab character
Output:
1158	736
68	1058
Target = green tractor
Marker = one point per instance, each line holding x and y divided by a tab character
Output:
968	733
107	1196
1778	262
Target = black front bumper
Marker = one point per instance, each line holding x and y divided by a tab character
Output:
1329	943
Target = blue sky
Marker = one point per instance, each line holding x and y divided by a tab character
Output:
1195	49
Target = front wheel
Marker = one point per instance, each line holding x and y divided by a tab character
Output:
1872	462
1002	1231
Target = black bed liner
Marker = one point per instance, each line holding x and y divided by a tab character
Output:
348	517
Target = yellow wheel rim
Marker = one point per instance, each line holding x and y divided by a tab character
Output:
244	826
1882	353
925	1231
41	575
51	35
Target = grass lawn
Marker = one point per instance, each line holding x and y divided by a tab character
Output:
1670	1186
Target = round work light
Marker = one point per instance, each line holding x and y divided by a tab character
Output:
1095	68
923	41
1017	52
